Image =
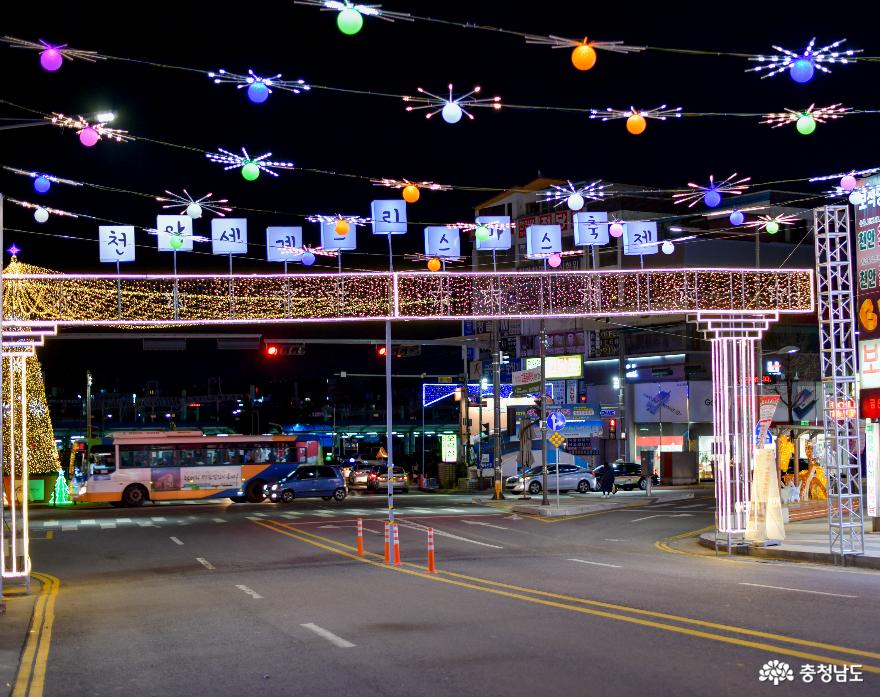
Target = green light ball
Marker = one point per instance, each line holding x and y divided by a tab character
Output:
806	124
483	233
349	21
175	241
250	171
772	227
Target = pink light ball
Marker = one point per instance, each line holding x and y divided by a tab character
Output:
848	183
89	136
554	261
615	229
51	59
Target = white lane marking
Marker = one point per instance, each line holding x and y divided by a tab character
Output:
441	533
326	514
663	515
204	562
105	525
50	523
88	521
694	505
514	516
290	515
250	591
799	590
250	517
175	540
485	525
69	526
146	524
660	505
329	636
323	527
595	563
218	520
158	518
260	515
123	520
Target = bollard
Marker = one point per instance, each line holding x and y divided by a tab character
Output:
396	546
387	542
431	568
360	537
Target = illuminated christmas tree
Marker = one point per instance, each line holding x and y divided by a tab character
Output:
61	494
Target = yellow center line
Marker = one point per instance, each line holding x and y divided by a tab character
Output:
514	591
31	677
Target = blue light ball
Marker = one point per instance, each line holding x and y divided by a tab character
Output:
737	218
308	259
42	184
802	70
257	92
712	198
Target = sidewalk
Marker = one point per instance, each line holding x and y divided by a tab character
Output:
804	541
578	504
14	626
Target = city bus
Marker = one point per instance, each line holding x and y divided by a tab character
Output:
136	466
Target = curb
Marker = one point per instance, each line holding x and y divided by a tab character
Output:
577	509
861	561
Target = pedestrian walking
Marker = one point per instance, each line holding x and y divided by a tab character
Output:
607	480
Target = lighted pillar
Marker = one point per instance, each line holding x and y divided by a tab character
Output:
734	411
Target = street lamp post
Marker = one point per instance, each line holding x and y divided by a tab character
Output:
545	501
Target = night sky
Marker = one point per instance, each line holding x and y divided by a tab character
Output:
374	136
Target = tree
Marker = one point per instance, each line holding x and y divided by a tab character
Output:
796	367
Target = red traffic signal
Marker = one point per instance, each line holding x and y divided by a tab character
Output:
381	351
272	350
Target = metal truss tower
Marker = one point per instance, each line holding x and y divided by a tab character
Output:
837	347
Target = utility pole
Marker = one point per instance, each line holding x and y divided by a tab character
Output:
88	404
545	501
621	384
496	394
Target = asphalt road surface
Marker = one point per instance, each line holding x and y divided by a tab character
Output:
263	599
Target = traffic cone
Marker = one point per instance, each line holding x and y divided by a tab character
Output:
431	568
360	537
396	546
387	542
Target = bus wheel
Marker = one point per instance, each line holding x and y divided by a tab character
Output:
254	492
134	495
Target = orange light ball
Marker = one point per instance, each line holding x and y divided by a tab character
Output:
434	265
636	124
583	57
411	193
342	227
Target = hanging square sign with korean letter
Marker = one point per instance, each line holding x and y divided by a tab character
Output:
543	240
282	242
178	227
229	235
116	242
332	241
639	238
590	228
389	217
442	242
499	233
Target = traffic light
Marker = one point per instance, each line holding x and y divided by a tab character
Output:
273	350
276	350
381	351
612	428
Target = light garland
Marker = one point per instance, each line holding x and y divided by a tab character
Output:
41	213
42	182
193	207
583	54
250	166
350	19
451	109
806	120
802	66
575	196
711	195
89	134
52	55
411	190
636	119
259	88
771	223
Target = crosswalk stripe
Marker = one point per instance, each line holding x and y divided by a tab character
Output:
146	524
250	517
107	525
290	515
50	523
123	520
157	518
89	521
261	515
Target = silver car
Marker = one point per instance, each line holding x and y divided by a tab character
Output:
359	473
571	478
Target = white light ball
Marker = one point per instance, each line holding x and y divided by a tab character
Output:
575	202
194	210
41	215
451	112
668	247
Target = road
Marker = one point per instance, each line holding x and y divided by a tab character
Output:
224	599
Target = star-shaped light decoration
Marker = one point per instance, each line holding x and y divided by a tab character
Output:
711	195
583	54
13	251
411	190
52	55
636	119
771	223
342	223
802	66
451	109
193	207
259	88
351	15
806	120
250	167
89	133
575	194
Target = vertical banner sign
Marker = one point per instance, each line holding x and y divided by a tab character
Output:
116	242
639	238
448	447
284	243
389	217
765	506
500	237
543	240
442	242
872	467
180	226
766	408
334	242
590	228
867	219
229	235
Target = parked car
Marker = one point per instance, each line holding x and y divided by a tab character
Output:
571	478
627	475
360	471
377	479
308	481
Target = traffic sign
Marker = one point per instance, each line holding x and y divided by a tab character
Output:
555	421
556	439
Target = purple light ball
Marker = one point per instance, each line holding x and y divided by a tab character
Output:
51	59
89	136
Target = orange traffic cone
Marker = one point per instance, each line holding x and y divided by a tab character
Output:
387	542
431	568
360	537
396	546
